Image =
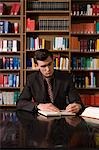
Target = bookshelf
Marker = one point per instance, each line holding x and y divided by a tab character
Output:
11	51
85	49
47	26
68	28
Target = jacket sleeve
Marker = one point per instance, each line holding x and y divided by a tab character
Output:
26	101
73	94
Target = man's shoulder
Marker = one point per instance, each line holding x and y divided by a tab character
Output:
62	73
33	74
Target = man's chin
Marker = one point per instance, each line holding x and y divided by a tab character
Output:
48	75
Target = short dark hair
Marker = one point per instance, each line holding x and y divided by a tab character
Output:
42	54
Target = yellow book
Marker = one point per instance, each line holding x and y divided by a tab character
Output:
97	45
86	82
43	43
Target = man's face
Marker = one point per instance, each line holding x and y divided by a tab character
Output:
46	67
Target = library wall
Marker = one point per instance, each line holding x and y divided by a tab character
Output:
70	29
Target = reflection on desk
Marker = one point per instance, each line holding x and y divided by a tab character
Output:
24	130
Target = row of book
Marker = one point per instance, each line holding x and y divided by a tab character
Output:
13	9
50	5
47	24
9	97
53	24
85	28
8	116
85	81
90	99
84	44
58	43
9	63
9	45
85	9
60	62
9	80
36	43
9	27
84	63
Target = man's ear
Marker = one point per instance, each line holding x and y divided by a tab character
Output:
37	66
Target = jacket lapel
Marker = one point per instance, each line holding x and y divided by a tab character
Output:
55	86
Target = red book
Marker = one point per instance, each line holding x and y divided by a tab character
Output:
94	9
97	99
1	80
92	98
30	25
88	103
5	81
1	8
17	9
97	9
12	9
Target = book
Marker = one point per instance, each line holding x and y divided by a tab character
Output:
54	114
92	121
91	112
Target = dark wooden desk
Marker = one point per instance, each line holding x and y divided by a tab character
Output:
25	130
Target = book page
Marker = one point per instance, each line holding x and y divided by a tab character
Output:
51	113
92	112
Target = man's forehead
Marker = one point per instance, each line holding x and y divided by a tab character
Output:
47	61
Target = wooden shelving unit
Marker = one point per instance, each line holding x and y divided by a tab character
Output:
52	19
11	58
85	58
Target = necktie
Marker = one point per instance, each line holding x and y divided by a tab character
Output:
50	92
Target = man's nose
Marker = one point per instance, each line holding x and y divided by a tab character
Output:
47	68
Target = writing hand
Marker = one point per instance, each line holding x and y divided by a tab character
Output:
74	108
48	107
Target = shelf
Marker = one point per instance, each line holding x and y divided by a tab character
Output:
8	105
88	1
85	70
88	52
89	88
47	12
47	31
9	70
9	53
10	88
10	34
10	1
85	16
85	34
10	16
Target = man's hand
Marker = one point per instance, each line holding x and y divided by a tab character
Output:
48	107
74	108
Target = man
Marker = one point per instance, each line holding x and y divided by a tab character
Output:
36	95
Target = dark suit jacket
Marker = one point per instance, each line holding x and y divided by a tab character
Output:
34	91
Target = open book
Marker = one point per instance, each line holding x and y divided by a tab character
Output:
92	112
50	113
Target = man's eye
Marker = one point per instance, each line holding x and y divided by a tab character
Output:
50	64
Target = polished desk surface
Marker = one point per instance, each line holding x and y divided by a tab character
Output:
20	129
